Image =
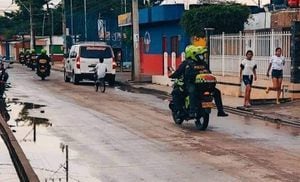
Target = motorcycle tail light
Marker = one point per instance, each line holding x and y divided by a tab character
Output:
206	93
78	62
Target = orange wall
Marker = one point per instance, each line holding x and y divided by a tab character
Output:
152	64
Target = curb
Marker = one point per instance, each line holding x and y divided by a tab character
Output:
279	119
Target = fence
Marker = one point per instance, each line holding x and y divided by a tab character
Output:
227	51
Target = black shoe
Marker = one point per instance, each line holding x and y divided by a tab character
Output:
222	114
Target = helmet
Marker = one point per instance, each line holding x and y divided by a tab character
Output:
195	52
43	51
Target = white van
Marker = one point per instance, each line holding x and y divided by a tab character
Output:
83	58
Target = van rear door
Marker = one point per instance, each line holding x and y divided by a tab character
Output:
89	57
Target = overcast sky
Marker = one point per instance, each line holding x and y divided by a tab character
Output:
7	4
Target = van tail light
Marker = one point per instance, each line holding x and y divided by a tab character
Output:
78	62
114	64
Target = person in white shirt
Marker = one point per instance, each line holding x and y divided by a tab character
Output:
100	69
276	63
247	73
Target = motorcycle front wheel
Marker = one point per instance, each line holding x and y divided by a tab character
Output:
177	120
202	122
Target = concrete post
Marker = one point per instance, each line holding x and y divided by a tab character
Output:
223	54
173	59
165	64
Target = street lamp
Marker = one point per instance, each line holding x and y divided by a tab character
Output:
207	36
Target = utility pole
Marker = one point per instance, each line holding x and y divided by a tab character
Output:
71	7
85	27
136	41
64	26
30	22
31	28
51	32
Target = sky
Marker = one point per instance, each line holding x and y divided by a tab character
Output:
7	4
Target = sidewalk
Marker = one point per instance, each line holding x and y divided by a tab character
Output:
286	112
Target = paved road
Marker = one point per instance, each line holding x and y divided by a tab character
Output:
121	136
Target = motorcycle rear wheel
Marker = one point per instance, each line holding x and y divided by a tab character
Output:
202	122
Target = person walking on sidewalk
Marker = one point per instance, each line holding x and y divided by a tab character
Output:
276	63
247	74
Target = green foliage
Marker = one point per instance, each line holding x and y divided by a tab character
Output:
228	18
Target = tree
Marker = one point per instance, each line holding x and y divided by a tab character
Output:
228	18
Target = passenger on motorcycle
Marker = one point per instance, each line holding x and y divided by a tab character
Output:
187	71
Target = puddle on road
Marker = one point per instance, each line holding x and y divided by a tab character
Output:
23	115
45	154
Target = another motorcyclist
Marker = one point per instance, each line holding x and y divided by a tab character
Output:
188	69
3	79
21	57
44	56
33	59
27	57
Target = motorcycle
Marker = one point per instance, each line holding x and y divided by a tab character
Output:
22	59
28	60
33	62
205	84
43	68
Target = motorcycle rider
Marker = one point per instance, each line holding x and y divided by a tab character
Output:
27	57
33	59
44	56
187	71
21	57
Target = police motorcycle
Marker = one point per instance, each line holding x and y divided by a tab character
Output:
33	60
205	84
43	66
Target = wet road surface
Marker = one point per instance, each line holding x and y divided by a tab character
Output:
122	136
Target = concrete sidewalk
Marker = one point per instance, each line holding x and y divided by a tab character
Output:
265	108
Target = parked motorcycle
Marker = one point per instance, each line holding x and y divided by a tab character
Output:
43	68
205	84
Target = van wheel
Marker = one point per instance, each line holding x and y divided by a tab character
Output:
75	79
66	78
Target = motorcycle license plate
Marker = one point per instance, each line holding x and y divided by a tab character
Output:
207	105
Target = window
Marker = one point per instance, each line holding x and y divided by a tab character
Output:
95	52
